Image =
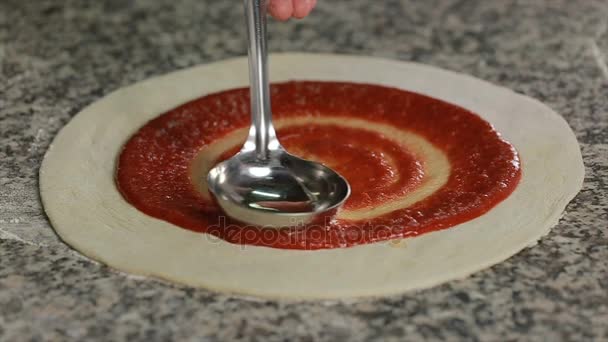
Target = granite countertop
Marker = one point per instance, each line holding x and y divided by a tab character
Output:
58	56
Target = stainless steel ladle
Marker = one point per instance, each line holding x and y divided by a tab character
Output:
264	185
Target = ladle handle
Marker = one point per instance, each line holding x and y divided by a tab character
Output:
261	132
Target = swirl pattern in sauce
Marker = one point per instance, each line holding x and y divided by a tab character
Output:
415	164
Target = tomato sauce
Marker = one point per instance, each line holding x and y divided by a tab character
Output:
153	171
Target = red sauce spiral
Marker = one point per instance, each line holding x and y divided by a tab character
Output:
154	170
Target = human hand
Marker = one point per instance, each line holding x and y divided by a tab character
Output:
285	9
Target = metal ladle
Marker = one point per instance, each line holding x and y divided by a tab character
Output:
264	185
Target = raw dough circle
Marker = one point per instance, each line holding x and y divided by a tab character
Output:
87	211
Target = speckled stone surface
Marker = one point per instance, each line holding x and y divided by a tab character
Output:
58	56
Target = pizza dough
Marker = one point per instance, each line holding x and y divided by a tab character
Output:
88	212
